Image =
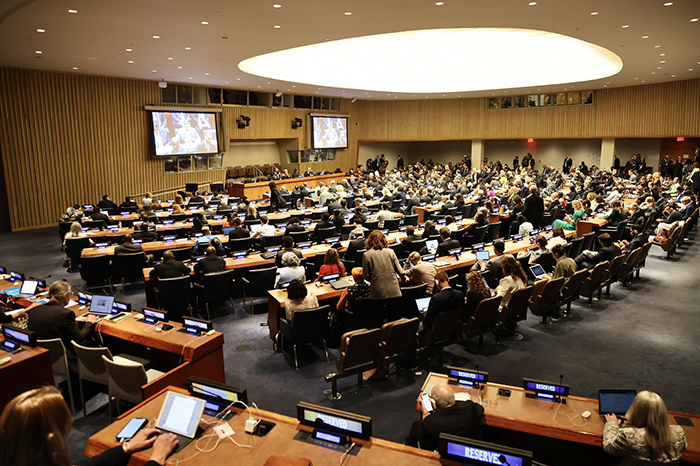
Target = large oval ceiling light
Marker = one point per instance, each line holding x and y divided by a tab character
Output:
440	60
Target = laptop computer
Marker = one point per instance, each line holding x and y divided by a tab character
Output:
422	304
29	288
537	271
340	284
615	401
431	245
483	255
101	306
180	415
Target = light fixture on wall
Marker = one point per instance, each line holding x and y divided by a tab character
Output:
243	121
163	84
297	123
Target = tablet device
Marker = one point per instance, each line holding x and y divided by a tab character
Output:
431	245
422	304
483	255
28	288
537	271
180	414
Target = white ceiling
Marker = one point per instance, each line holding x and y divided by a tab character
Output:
95	39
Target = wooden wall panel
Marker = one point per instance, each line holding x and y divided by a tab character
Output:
68	138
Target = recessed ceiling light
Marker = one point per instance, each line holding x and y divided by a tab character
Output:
128	50
39	52
653	72
259	86
658	67
348	13
636	79
625	26
277	26
657	46
170	58
605	85
188	48
131	62
594	13
276	5
643	81
414	70
41	30
662	61
439	3
206	74
155	71
645	37
205	23
532	3
694	20
294	85
690	69
226	82
156	37
673	75
75	68
72	11
668	3
662	54
190	77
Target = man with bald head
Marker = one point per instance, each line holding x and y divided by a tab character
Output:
462	418
169	268
210	264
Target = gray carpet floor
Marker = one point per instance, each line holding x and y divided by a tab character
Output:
645	336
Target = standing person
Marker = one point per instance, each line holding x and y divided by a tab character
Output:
277	202
399	162
380	268
568	163
646	437
534	207
35	427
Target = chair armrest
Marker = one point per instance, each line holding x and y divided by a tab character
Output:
247	282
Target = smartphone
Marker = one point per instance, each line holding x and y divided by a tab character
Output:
132	428
427	402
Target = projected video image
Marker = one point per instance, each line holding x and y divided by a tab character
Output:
330	132
184	133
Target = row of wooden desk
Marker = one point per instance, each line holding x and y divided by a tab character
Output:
549	419
258	189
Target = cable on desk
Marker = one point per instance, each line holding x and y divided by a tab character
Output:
342	458
571	418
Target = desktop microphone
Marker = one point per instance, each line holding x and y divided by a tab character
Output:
503	460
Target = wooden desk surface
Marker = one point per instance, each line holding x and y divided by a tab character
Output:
28	369
258	189
159	227
549	419
280	441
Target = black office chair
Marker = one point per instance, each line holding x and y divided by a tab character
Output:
216	287
576	245
182	254
130	267
178	217
299	236
373	225
392	224
257	283
476	236
411	220
309	326
492	233
269	241
94	224
409	294
74	248
174	295
96	272
63	229
417	245
239	244
324	233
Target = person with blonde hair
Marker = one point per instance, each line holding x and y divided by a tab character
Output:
569	223
646	437
35	428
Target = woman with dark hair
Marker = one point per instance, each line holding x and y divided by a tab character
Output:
514	279
35	427
477	291
331	264
646	438
430	230
298	297
380	268
276	200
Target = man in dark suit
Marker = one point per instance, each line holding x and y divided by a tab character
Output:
107	203
288	246
462	418
534	207
325	223
492	268
568	163
447	299
128	247
169	268
638	239
607	252
238	231
145	231
447	243
128	203
210	264
411	236
99	216
357	243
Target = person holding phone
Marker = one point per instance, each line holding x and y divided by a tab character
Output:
35	427
449	416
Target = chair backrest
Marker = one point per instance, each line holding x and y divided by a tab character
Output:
75	246
486	314
615	265
643	255
445	326
595	277
261	280
90	364
547	261
125	380
411	220
95	267
324	233
299	236
267	241
238	244
480	234
414	292
358	347
418	244
457	234
174	293
549	295
310	325
130	266
576	247
630	261
399	336
572	287
218	286
392	224
588	239
57	354
492	232
182	254
517	306
373	225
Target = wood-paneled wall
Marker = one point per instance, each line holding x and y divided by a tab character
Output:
67	138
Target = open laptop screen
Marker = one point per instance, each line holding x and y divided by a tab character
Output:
29	287
615	401
101	304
